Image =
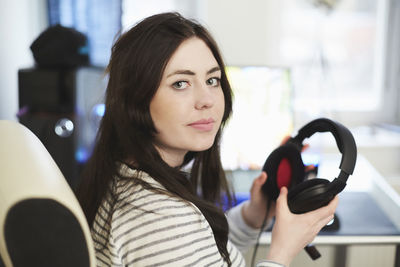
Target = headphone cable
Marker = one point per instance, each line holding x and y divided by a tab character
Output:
259	234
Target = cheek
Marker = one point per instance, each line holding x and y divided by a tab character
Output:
165	112
221	104
156	112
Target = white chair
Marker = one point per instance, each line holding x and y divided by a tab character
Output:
41	221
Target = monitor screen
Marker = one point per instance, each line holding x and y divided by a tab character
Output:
262	115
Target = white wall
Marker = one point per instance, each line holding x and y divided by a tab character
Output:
21	21
246	31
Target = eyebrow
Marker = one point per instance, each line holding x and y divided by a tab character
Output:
189	72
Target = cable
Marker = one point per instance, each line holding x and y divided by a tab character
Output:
259	234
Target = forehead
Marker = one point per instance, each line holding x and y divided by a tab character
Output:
192	54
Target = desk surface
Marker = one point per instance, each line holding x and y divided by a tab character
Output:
359	214
368	210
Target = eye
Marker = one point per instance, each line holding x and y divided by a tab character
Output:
180	85
214	82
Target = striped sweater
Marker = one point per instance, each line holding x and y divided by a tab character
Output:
154	229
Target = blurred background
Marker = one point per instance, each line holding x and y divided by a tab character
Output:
289	62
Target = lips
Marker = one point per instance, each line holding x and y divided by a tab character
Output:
203	124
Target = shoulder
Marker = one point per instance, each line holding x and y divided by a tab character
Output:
142	194
137	202
151	226
142	199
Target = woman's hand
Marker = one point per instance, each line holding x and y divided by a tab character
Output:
292	232
254	210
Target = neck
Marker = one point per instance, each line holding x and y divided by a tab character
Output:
172	158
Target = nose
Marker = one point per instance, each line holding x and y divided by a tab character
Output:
204	98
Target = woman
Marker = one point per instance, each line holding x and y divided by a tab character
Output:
167	100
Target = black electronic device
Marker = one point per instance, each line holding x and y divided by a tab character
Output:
63	108
285	167
60	47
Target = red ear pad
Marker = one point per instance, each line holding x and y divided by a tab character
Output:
284	167
284	173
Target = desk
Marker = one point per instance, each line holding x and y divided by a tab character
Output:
368	210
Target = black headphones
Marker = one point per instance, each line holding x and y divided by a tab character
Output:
285	167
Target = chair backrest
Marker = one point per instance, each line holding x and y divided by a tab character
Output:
41	221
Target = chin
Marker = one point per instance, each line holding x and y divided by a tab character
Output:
200	143
201	147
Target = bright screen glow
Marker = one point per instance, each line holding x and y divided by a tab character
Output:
262	115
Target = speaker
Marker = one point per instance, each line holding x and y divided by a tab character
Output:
63	108
284	167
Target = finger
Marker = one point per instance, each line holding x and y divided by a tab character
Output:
305	147
333	204
320	224
262	178
326	211
331	207
258	182
309	168
285	139
325	221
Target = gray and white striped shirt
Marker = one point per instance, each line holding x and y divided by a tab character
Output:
155	229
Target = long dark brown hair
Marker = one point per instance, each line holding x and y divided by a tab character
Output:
137	63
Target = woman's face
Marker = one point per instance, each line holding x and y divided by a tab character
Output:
188	107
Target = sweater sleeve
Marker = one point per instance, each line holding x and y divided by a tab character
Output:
266	263
244	236
240	234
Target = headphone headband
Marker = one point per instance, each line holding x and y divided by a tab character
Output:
344	140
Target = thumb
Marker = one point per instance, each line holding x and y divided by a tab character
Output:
282	199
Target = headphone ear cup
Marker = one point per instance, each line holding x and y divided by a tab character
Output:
284	167
309	195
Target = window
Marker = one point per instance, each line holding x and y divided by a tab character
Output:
337	53
135	10
99	20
